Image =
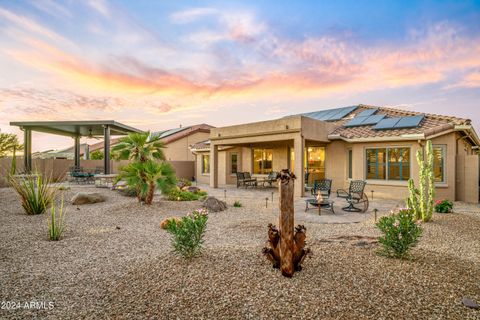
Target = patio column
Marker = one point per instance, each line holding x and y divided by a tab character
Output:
299	170
27	150
213	165
76	153
106	149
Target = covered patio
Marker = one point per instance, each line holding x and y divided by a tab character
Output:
271	145
76	130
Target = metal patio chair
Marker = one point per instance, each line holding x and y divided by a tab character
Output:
356	198
324	186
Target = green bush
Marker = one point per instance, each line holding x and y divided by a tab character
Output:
187	234
96	155
400	234
182	182
443	206
237	204
34	192
56	222
179	195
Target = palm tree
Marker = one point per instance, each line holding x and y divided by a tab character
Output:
148	176
139	147
148	169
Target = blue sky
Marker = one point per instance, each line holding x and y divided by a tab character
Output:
158	64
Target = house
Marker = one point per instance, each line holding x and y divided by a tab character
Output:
67	153
177	141
376	144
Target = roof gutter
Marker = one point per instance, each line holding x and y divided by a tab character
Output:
470	132
404	137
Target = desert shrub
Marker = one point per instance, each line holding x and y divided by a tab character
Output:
187	234
400	234
56	222
182	182
96	155
179	195
34	192
237	204
443	206
165	222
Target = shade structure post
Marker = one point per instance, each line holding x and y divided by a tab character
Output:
27	150
106	149
76	155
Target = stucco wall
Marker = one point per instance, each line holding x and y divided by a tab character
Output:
57	169
179	150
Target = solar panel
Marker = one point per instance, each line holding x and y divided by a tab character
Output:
409	122
342	113
366	113
373	119
357	121
387	123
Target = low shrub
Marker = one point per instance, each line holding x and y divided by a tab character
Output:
34	191
400	234
179	195
237	204
164	223
187	234
443	206
56	222
182	182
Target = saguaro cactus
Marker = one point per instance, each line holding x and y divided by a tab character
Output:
421	200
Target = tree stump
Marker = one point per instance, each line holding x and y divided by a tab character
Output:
286	246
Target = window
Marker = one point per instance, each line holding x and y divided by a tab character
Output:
388	164
233	163
376	163
398	164
205	164
439	152
262	161
350	158
314	163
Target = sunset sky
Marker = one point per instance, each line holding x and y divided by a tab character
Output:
158	64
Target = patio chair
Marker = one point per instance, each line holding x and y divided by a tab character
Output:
324	186
78	175
270	179
240	179
248	180
355	196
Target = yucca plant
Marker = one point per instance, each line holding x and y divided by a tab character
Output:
56	222
34	192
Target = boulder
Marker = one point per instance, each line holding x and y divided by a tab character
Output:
191	189
212	204
86	198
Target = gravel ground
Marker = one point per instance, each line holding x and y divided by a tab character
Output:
99	271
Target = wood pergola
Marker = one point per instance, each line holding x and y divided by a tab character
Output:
76	130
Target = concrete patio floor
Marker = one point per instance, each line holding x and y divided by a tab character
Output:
269	197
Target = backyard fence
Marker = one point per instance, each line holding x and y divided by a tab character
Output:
57	169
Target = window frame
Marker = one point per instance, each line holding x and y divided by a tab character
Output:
444	162
386	163
205	172
350	164
231	163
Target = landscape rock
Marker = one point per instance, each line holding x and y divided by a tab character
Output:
87	198
214	205
469	303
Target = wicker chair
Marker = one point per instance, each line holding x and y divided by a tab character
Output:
355	196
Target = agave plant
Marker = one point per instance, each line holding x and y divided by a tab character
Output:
34	191
56	222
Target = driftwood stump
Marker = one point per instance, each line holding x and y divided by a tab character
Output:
286	246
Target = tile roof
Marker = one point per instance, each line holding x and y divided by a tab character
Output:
431	124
